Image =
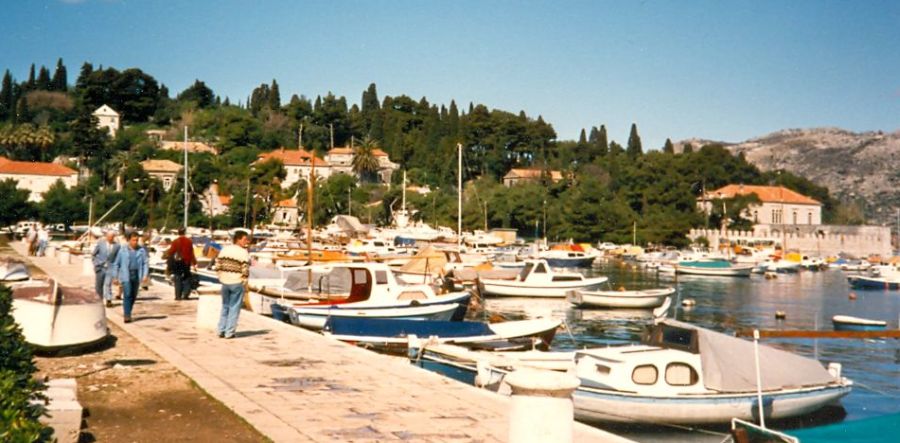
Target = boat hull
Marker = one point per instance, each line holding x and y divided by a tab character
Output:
51	327
581	262
315	318
620	299
863	282
512	288
596	405
736	271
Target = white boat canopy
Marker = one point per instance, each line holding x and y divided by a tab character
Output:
728	362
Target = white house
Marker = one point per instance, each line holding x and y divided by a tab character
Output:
341	160
286	213
779	205
165	170
36	177
214	202
107	118
298	164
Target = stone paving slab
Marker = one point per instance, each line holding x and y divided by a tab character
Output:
296	385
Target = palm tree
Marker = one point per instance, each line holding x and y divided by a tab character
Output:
116	166
365	163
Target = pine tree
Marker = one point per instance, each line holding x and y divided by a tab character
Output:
274	99
60	80
687	148
30	83
7	100
669	148
43	79
370	102
86	70
634	143
23	115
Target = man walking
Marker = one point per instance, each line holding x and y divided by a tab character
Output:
181	258
101	259
43	237
233	267
131	268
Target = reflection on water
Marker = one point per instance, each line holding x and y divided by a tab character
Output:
809	300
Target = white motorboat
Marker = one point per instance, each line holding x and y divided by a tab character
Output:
537	279
13	270
683	374
646	298
53	316
314	317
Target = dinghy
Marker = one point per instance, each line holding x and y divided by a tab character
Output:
850	323
13	270
647	298
713	267
53	316
316	316
537	279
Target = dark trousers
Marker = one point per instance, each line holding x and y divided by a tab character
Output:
182	282
130	291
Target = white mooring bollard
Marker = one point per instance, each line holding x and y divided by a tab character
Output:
542	409
209	308
87	266
64	256
50	251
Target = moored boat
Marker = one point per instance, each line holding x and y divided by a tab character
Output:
713	267
316	317
850	323
647	298
537	279
13	270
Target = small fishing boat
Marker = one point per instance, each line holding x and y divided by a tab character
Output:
687	375
316	317
568	258
850	323
713	267
394	333
54	317
878	277
538	279
647	298
13	270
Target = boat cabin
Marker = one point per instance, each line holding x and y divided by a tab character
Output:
373	282
539	271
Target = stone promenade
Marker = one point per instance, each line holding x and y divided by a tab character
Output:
294	385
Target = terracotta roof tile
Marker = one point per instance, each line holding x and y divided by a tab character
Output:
225	199
531	173
766	194
8	166
293	157
160	166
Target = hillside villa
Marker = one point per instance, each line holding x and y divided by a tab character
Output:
516	176
778	205
36	177
164	170
298	163
107	119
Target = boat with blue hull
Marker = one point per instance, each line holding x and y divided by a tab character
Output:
713	267
850	323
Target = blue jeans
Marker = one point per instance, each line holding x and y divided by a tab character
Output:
232	298
99	277
107	286
130	292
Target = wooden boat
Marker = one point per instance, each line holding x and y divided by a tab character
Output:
13	270
849	323
53	316
396	332
537	279
713	267
316	317
647	298
684	374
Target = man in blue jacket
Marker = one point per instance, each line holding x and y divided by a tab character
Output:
100	258
131	268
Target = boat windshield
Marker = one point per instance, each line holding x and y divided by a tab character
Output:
525	271
667	336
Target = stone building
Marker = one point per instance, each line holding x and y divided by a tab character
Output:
165	170
778	205
517	176
36	177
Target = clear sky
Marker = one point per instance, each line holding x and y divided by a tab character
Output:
723	70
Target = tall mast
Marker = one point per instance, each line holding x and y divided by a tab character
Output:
459	195
186	195
404	190
309	205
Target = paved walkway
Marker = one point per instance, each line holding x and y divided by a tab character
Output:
295	385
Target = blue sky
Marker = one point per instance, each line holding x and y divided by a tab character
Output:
718	70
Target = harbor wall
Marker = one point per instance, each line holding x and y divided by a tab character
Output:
816	240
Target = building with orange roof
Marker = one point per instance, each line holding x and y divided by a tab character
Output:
287	213
298	163
341	161
778	205
517	176
36	177
164	170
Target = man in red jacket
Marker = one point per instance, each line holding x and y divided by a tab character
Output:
181	259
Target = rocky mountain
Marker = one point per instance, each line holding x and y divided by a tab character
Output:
861	167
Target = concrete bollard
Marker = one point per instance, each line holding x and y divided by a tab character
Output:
64	257
87	266
50	251
542	410
209	308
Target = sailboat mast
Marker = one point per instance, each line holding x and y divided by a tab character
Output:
309	205
459	195
186	195
404	191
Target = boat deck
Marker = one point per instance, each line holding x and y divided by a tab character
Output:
295	385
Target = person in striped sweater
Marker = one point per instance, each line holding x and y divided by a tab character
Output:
233	267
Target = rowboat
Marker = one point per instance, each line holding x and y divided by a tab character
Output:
538	279
647	298
54	317
713	267
850	323
316	317
13	270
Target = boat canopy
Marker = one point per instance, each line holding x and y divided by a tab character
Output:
728	362
336	280
428	260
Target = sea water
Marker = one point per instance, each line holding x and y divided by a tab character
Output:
808	299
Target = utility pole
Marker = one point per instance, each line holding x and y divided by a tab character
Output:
459	196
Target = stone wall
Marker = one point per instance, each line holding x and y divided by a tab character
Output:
820	240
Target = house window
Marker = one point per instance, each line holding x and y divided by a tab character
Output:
809	218
755	216
681	374
795	217
644	375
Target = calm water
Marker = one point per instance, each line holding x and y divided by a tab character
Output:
725	304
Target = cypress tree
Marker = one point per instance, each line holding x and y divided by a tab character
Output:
274	99
29	84
43	80
582	139
60	80
634	143
22	112
453	120
602	142
7	99
687	149
668	148
86	70
370	102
